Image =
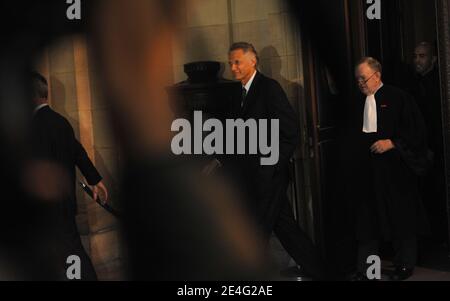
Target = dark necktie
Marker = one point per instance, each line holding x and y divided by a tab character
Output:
244	95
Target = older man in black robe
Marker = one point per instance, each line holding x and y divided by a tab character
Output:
391	152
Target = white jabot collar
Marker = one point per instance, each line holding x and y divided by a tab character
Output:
370	124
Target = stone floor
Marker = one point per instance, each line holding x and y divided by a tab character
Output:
434	265
424	274
420	274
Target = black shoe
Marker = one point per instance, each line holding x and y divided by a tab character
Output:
297	273
293	272
358	277
402	273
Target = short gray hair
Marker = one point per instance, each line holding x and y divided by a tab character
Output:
373	64
246	47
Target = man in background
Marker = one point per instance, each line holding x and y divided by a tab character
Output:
425	87
51	180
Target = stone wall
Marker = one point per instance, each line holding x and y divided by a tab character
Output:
209	27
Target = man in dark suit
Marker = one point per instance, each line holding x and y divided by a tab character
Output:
390	152
54	146
266	185
425	86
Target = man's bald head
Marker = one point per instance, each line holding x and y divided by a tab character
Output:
424	58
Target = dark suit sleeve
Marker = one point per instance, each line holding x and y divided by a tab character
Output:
281	109
411	140
84	164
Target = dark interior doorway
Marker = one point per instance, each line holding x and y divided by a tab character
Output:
335	35
394	40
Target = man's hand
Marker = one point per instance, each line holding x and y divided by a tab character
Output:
211	167
101	190
382	146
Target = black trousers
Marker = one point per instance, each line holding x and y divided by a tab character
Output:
69	243
57	238
269	206
405	253
54	261
277	216
297	243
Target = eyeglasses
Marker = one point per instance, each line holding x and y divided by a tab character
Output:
362	81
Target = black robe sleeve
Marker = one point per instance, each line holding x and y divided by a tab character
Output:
411	140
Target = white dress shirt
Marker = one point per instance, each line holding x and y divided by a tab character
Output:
39	107
249	83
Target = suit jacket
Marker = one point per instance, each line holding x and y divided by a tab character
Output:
53	140
266	183
266	99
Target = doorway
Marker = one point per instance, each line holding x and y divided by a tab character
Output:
330	92
407	31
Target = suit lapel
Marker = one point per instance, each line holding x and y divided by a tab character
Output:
252	94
